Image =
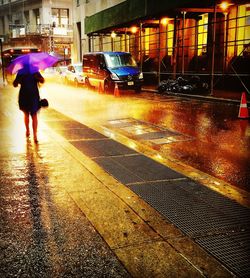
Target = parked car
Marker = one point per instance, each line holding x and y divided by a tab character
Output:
61	73
74	74
49	74
110	68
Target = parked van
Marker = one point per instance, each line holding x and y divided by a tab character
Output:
110	68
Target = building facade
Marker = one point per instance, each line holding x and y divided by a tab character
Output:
45	24
209	38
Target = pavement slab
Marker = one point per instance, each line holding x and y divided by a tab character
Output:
146	260
116	222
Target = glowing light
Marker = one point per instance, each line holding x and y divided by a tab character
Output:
132	145
216	182
18	142
164	21
202	33
112	135
109	134
25	50
158	156
138	131
224	5
113	34
134	29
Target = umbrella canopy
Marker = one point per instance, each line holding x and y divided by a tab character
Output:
31	63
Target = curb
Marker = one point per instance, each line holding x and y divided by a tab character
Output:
211	98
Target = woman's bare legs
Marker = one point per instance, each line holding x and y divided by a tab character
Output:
34	126
26	122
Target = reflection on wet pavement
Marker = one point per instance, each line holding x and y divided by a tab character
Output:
43	232
220	142
48	234
146	132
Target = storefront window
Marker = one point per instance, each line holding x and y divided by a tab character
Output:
202	34
170	38
243	32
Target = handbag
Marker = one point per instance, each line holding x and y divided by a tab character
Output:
44	102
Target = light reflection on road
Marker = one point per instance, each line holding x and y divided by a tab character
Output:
221	142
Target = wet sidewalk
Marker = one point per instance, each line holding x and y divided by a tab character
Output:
70	207
43	233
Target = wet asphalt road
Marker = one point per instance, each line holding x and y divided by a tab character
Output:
210	138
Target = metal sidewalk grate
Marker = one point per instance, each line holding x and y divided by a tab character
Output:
102	148
67	124
122	122
218	217
145	131
136	168
156	135
218	224
233	250
80	134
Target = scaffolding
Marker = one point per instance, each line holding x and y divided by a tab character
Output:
214	46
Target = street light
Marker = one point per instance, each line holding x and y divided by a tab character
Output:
164	21
224	6
113	35
134	29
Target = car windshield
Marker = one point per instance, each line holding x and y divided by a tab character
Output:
116	60
61	69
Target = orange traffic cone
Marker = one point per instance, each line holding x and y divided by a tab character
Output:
116	91
100	90
243	112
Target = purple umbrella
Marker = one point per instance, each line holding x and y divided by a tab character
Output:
31	63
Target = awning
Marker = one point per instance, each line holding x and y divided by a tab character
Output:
131	10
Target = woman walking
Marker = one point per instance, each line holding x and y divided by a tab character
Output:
29	98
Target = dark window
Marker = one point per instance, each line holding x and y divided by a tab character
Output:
89	61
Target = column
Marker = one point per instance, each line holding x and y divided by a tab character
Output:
6	25
32	21
1	25
45	15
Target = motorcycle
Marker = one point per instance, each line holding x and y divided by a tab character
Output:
182	85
